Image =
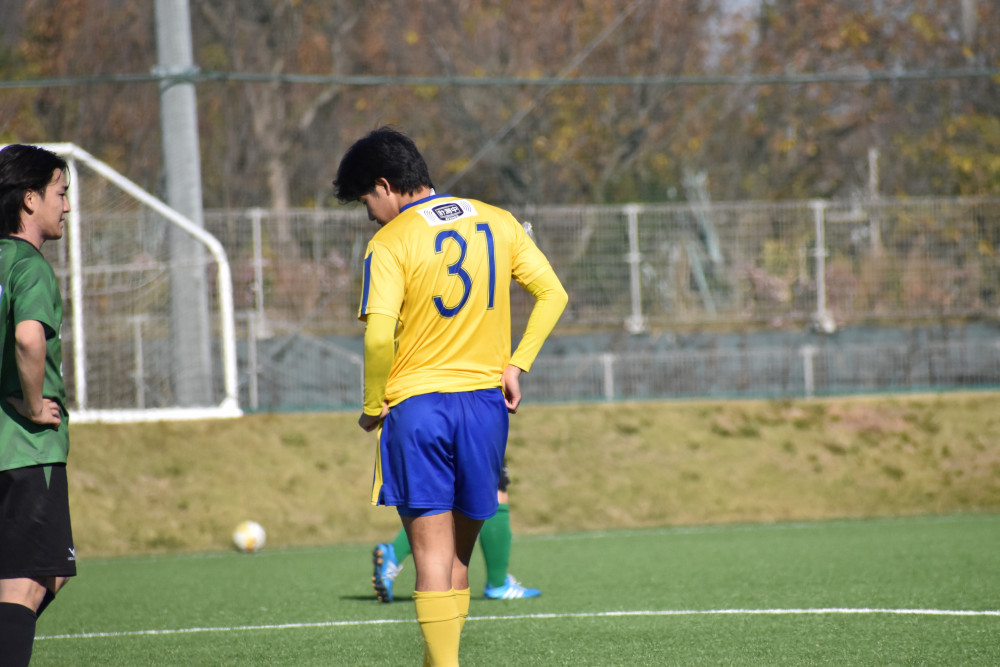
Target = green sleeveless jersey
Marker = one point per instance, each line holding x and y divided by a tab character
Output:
29	291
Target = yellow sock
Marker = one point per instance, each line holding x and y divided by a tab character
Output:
440	624
462	598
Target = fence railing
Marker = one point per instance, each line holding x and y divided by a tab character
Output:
745	299
637	274
645	267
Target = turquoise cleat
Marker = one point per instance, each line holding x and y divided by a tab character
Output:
511	590
386	569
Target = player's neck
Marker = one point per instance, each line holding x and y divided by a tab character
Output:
35	239
405	199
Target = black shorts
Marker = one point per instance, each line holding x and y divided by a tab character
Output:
504	478
36	539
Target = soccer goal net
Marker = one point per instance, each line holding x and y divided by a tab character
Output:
148	323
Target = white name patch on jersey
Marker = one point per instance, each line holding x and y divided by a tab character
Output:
442	214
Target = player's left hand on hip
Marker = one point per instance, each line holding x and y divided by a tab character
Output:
371	422
50	414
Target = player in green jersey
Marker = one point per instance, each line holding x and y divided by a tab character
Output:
36	542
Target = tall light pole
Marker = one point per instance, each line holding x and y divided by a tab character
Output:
189	321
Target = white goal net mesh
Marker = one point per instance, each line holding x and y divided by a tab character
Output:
120	262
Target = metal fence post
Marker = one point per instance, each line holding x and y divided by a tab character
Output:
139	361
256	216
874	224
253	366
608	362
822	318
808	353
634	323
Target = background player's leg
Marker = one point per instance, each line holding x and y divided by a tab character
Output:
387	558
401	546
495	538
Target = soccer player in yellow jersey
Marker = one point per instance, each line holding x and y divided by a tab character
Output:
440	378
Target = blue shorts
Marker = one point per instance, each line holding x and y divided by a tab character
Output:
444	451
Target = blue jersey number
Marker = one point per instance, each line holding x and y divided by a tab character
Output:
457	269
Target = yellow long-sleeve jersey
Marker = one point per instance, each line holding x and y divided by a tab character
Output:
440	273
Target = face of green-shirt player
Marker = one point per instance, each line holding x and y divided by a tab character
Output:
44	212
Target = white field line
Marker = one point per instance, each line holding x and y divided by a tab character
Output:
520	617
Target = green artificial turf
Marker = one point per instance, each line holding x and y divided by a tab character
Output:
918	590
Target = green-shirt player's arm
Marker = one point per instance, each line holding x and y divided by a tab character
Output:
30	350
550	301
380	331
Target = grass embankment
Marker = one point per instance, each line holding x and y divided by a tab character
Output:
182	486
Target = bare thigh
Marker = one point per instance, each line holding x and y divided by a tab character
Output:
442	545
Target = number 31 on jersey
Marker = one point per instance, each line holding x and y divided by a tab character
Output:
457	269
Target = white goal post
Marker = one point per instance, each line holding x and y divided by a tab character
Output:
115	267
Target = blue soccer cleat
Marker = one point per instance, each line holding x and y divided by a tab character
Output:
386	569
511	590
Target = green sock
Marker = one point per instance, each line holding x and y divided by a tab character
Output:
495	538
401	545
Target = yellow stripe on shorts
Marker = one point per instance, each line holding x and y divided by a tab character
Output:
377	479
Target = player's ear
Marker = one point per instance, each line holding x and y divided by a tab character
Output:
29	201
383	184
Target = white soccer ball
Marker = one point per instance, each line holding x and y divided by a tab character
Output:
249	537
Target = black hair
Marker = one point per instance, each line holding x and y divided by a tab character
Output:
383	153
23	169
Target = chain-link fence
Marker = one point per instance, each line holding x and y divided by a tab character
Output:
729	299
148	317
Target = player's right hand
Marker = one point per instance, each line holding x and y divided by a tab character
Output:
510	383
